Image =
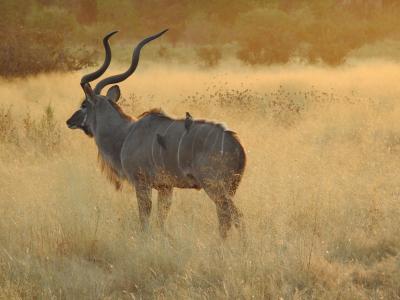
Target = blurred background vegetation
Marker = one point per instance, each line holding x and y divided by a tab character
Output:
60	35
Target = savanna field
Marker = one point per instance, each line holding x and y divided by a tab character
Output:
320	194
310	87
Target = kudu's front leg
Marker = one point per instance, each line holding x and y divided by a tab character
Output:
164	203
143	195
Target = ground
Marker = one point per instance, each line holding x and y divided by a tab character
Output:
320	194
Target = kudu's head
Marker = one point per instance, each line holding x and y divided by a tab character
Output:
85	117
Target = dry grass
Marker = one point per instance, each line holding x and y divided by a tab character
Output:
320	194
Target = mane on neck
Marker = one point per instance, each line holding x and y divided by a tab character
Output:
109	171
120	111
153	111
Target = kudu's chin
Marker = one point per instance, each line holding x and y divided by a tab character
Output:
72	126
84	129
88	133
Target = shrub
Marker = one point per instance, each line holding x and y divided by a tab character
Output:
39	41
209	56
267	36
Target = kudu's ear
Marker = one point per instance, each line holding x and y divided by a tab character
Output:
114	93
89	93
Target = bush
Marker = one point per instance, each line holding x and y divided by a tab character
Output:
209	56
267	36
39	42
45	35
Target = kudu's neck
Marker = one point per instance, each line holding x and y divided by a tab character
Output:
111	129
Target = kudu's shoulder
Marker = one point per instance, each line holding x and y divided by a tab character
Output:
154	112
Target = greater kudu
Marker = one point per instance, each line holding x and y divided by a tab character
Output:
158	152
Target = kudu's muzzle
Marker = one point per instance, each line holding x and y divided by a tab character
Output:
77	120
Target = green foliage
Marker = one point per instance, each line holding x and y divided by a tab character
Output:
43	35
265	36
118	17
52	18
38	40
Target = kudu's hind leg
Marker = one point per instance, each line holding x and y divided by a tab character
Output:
143	194
164	204
235	217
227	212
224	217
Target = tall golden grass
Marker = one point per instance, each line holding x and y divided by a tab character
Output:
320	194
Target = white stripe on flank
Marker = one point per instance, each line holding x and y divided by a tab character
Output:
222	143
194	138
215	142
208	134
205	142
166	130
152	152
179	148
160	150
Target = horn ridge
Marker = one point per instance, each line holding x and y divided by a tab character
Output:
134	63
107	60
